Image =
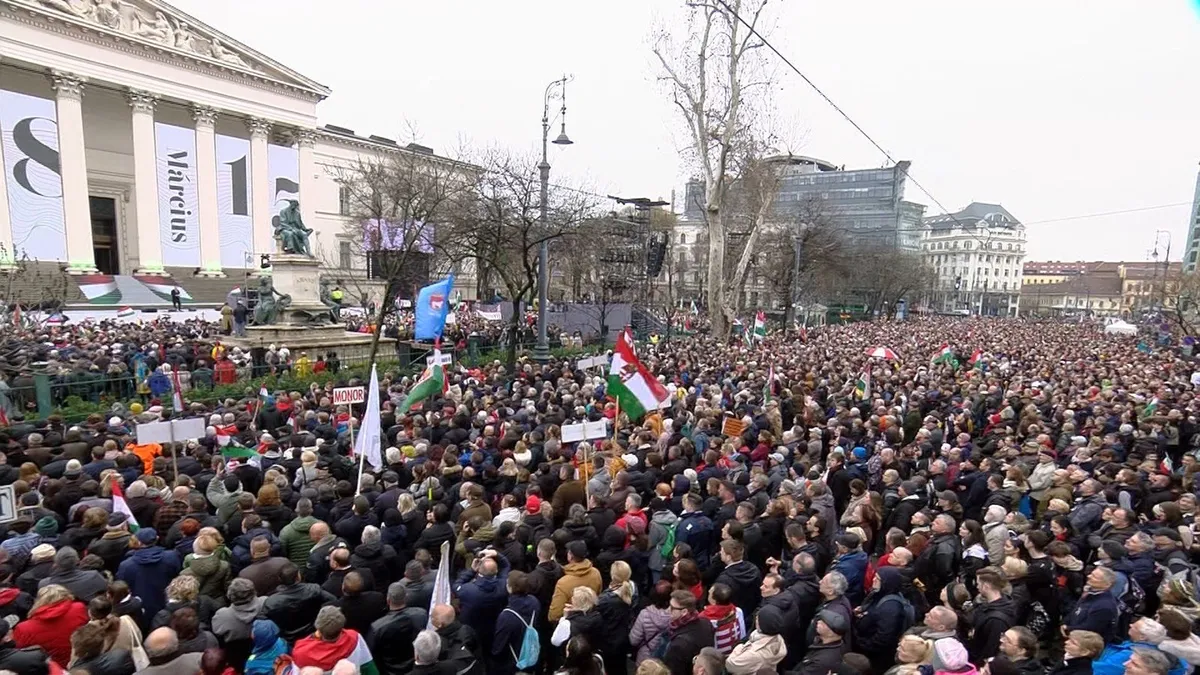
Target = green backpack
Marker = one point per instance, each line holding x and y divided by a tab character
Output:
667	548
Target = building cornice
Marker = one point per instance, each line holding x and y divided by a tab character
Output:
79	29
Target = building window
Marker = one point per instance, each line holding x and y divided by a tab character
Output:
344	255
343	200
683	238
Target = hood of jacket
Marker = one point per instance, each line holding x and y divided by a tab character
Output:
824	501
370	551
889	581
265	634
1188	650
302	524
744	572
51	612
1001	608
206	566
525	605
151	555
247	612
577	569
665	518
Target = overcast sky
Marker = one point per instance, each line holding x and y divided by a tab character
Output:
1053	109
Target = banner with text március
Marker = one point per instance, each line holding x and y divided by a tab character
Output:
178	195
32	169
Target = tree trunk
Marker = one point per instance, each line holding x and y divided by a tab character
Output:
716	273
510	358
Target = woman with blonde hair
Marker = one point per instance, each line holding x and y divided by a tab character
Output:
913	652
616	607
54	616
580	617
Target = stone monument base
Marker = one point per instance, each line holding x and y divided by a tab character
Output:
350	347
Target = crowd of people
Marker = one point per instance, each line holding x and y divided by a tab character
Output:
1025	507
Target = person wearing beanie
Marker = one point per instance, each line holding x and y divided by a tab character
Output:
765	648
138	500
47	528
113	544
950	656
148	570
41	565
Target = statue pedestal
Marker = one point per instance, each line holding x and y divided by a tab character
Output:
304	324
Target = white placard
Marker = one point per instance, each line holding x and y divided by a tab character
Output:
596	429
573	433
234	196
489	315
173	431
178	195
34	175
445	359
592	362
348	395
8	504
283	169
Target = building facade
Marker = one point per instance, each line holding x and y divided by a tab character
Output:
1193	232
1120	289
143	150
977	254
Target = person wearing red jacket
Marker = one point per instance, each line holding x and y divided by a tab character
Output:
55	615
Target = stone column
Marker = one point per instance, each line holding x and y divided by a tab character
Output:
305	140
260	190
145	183
206	176
77	213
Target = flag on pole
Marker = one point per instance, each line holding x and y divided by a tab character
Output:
367	443
119	505
695	310
433	304
432	383
16	315
177	397
238	451
630	383
944	355
862	388
441	583
1150	408
975	356
126	311
760	325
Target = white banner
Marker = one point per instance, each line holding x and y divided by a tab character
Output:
234	196
178	195
283	168
32	169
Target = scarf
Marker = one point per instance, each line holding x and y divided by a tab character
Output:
677	624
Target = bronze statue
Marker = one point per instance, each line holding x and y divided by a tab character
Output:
268	308
290	230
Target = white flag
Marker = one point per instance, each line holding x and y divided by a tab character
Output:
441	583
368	442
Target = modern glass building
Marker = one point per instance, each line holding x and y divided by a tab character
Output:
1193	237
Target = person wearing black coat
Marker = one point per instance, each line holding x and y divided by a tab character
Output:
994	615
438	531
379	558
294	605
30	660
743	578
901	515
824	655
938	563
391	637
882	620
776	596
689	633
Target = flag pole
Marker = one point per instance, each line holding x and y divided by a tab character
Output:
361	456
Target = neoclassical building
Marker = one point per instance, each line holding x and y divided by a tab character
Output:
143	150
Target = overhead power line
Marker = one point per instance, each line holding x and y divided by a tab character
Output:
1108	213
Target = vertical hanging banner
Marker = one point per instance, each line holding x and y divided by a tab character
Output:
31	165
234	195
283	167
178	195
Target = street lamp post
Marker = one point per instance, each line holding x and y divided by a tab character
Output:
541	351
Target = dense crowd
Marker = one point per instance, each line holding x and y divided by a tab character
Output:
1026	504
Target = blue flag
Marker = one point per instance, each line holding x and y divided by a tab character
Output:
433	304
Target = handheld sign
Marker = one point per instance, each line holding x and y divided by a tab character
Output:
349	395
8	504
732	427
444	359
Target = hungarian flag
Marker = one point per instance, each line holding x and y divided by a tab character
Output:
225	433
120	506
324	654
944	355
636	391
432	383
126	311
16	315
862	388
1150	408
760	325
770	386
974	361
177	398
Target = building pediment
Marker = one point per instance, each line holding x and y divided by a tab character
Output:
157	25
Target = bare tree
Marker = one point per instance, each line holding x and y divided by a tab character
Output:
710	71
501	227
399	207
824	263
37	287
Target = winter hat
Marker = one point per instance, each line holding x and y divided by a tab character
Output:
770	621
74	468
41	553
836	622
116	522
533	504
949	654
47	526
147	536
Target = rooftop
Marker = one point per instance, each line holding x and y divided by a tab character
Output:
975	214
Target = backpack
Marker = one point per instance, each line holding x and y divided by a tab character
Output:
531	645
667	548
1039	619
1131	603
1190	574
